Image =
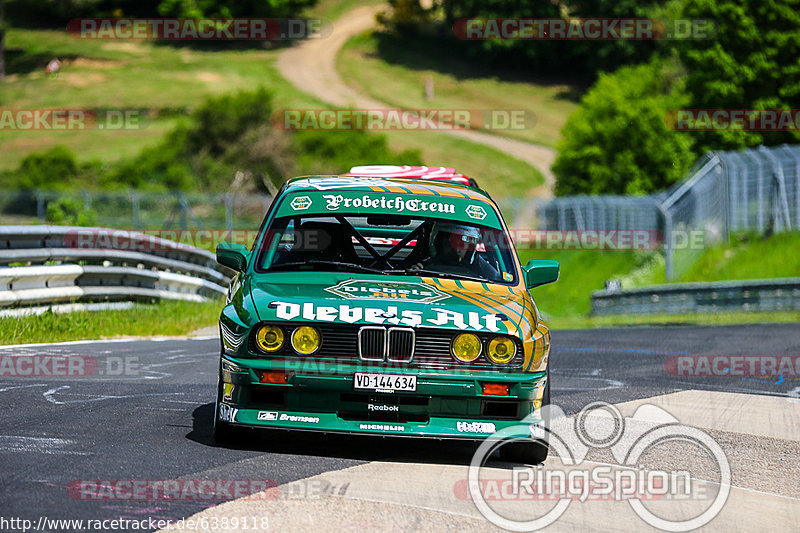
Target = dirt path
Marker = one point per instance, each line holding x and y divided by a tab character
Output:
311	67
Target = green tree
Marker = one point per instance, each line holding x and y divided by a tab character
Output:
575	58
608	55
753	62
617	141
541	54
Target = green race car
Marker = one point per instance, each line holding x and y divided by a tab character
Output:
384	305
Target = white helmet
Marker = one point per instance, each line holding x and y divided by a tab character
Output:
467	236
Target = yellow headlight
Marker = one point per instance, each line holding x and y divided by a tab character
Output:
466	347
269	338
501	350
306	340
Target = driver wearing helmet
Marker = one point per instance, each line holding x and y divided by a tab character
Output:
453	247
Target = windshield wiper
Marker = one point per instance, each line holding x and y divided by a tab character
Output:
439	274
320	262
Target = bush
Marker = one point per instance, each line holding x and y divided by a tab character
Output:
70	212
204	153
53	169
226	137
220	121
617	141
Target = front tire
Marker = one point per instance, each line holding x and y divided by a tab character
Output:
222	432
533	451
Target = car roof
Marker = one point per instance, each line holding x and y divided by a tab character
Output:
410	171
343	182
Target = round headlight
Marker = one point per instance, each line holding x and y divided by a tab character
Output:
501	350
306	340
269	338
466	347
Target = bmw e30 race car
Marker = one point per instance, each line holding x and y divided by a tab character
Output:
388	301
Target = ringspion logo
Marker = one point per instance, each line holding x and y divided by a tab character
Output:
571	478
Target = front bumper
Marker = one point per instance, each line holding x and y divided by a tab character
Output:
320	396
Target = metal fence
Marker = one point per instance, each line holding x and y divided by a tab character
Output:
137	210
781	294
42	266
600	213
755	190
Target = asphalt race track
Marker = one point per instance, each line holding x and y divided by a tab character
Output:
143	412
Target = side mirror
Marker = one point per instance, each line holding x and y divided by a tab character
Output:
540	272
233	255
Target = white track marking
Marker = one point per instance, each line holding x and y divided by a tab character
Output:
48	395
46	445
4	389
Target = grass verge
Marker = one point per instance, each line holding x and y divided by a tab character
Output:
566	304
161	318
394	71
582	271
749	257
498	173
333	9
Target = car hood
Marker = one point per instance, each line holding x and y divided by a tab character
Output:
391	301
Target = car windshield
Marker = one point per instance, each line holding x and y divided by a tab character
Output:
388	244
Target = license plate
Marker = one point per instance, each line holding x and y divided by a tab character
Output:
384	382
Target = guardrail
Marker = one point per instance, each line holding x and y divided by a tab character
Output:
54	264
780	294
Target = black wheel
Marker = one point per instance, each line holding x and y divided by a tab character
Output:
222	432
532	451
